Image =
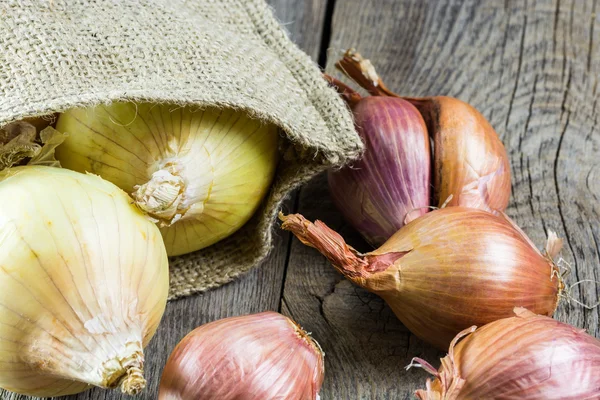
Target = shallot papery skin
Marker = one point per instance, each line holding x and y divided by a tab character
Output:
253	357
470	161
526	357
471	167
390	185
445	271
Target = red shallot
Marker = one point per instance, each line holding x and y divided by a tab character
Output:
390	185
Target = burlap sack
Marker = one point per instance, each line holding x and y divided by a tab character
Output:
60	54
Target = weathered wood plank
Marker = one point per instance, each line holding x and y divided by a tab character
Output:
532	68
365	345
257	291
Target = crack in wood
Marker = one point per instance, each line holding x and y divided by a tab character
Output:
295	200
326	35
529	114
519	62
556	19
321	301
591	44
530	189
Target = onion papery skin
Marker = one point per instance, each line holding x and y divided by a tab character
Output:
83	283
470	161
252	357
525	357
201	173
390	185
471	167
445	271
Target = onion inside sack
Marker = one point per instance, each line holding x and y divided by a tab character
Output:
199	173
447	270
470	164
390	184
83	283
252	357
526	356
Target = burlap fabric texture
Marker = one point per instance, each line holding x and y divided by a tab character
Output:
232	53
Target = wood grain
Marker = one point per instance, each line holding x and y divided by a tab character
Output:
532	68
258	290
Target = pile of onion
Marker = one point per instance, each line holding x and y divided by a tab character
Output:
390	185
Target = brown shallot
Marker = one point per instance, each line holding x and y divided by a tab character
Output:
447	270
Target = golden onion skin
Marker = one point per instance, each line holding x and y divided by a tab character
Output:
445	271
219	164
83	283
463	267
525	357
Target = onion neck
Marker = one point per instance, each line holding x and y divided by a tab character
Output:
362	71
344	258
134	381
351	96
448	382
328	242
307	339
179	188
122	362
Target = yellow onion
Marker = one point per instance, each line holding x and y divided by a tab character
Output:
390	184
445	271
253	357
201	174
83	283
471	167
527	356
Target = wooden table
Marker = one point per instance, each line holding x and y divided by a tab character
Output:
532	68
